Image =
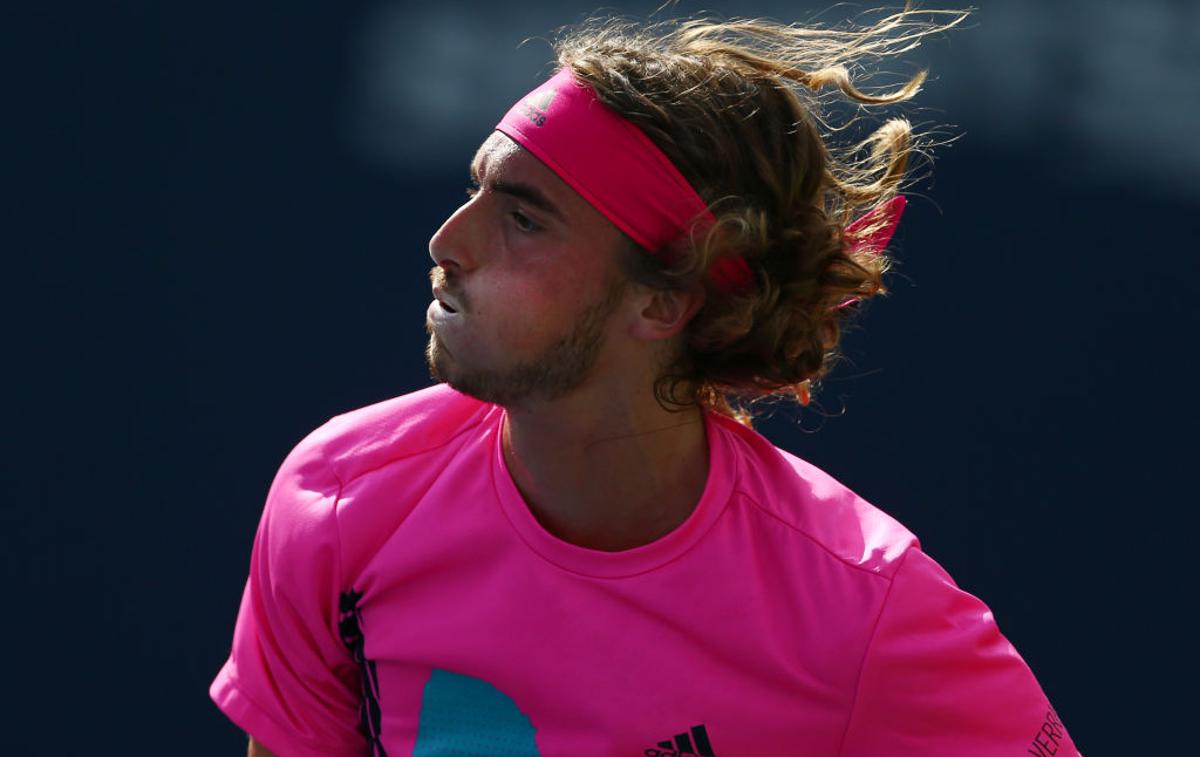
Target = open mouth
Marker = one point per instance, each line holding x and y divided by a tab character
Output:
446	307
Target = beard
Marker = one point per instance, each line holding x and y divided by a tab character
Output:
558	370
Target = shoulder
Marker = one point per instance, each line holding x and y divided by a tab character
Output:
304	499
353	443
818	508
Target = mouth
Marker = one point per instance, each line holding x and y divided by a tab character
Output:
441	313
445	302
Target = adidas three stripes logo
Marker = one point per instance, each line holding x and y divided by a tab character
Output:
694	742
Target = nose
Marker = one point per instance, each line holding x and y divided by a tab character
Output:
454	244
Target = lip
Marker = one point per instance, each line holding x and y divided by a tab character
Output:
440	296
438	315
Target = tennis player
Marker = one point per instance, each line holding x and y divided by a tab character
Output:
575	543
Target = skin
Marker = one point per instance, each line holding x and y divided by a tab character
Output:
258	750
548	328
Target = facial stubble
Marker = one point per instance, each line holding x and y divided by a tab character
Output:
559	369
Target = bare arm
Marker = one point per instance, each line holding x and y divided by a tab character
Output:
258	750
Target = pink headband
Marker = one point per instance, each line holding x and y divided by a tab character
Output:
884	217
615	167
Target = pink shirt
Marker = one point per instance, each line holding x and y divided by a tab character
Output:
403	600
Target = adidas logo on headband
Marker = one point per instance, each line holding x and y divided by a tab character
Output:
535	107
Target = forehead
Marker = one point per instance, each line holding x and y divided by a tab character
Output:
500	159
498	149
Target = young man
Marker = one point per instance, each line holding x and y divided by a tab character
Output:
573	545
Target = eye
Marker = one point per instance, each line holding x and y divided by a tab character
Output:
523	222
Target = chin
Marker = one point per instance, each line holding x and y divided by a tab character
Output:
443	368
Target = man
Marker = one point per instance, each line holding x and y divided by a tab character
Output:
572	545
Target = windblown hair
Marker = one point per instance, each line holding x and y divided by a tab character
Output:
741	107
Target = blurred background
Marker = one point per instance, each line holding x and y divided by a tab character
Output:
218	216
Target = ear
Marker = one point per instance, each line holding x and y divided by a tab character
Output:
661	314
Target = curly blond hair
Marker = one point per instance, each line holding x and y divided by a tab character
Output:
741	107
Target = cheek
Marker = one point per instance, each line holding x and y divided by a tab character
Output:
525	317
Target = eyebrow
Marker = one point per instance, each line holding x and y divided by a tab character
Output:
526	192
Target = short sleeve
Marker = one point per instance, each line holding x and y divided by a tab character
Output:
289	681
940	679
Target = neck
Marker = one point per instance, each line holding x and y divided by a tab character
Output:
606	475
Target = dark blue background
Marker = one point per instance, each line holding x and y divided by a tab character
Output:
202	269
